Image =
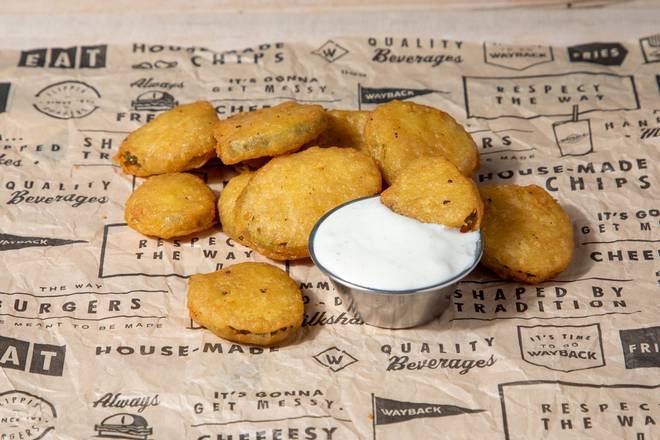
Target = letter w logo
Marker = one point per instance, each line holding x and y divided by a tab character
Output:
330	51
335	359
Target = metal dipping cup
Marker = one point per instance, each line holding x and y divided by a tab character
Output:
392	308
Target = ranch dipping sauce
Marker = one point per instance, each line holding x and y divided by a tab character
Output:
366	244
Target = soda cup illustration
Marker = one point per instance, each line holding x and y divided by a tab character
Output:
651	48
573	137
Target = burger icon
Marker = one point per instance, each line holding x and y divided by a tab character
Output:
124	425
154	100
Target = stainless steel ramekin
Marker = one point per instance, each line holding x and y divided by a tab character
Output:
392	308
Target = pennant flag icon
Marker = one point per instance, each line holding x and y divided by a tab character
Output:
387	411
381	95
10	242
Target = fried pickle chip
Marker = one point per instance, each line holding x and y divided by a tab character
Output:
227	204
250	303
250	165
177	140
433	190
268	132
280	205
398	132
171	205
345	129
527	235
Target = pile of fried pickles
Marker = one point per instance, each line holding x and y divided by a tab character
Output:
296	162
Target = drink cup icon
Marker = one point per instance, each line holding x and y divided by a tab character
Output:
573	137
651	48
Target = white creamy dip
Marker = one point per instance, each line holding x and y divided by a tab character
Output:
367	244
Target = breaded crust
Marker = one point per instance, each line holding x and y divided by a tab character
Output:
171	205
250	303
345	129
527	235
433	190
280	205
247	166
177	140
227	204
268	132
398	132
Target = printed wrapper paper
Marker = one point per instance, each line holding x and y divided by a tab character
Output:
96	340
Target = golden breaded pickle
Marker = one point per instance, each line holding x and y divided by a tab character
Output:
250	303
280	205
398	132
345	129
268	132
227	204
177	140
527	235
171	205
250	165
433	190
